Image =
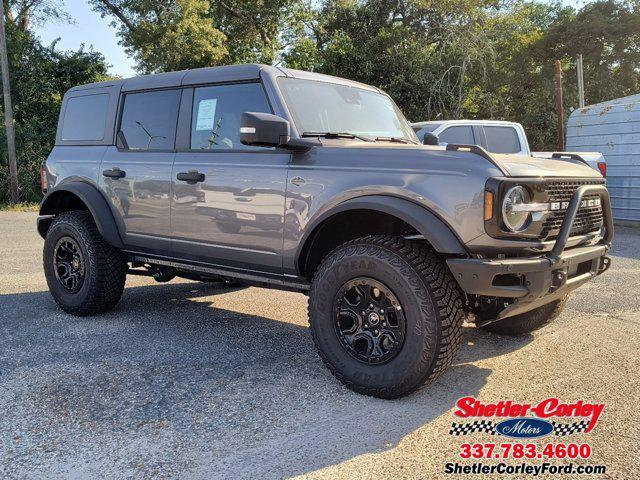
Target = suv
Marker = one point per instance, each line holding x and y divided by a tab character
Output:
294	180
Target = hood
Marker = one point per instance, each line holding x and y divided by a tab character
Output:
511	165
525	166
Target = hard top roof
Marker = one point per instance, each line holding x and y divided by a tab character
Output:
463	122
227	73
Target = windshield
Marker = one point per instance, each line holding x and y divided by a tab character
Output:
332	107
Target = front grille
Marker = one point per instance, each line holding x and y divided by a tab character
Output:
588	219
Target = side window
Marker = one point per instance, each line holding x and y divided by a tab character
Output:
458	134
215	122
85	118
149	119
502	139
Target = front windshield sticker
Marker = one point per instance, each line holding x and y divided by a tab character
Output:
206	114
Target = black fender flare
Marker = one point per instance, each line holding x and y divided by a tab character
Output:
433	228
95	202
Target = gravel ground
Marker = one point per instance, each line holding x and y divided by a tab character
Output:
190	380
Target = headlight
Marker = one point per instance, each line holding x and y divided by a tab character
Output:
512	213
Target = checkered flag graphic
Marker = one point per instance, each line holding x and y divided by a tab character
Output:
562	429
485	426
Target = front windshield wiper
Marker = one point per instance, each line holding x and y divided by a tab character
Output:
336	135
395	140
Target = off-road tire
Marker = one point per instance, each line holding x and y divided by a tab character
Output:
429	296
105	266
529	321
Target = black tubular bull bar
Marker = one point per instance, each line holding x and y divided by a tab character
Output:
572	211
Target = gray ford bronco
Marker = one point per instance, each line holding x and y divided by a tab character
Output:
294	180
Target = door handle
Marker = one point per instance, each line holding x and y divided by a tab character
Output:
297	181
115	172
192	176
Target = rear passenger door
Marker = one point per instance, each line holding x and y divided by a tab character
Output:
502	139
461	134
136	174
229	198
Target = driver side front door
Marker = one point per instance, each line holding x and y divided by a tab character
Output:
228	198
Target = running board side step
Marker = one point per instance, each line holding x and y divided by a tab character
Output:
258	278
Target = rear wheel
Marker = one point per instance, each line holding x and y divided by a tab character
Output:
529	321
385	315
84	273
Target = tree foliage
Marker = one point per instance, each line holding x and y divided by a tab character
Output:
165	35
25	13
39	76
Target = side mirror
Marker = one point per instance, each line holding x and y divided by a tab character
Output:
264	130
430	139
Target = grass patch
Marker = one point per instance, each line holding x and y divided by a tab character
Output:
19	207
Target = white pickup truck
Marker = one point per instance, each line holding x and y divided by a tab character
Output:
496	137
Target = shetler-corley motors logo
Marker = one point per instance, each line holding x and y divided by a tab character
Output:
513	419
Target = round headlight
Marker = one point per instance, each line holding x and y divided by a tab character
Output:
513	218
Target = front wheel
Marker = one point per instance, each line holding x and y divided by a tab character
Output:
85	274
385	315
529	321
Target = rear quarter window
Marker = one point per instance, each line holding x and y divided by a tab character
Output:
85	118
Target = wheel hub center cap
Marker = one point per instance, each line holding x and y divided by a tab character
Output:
374	318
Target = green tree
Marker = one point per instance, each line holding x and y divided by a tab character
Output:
528	37
23	13
419	51
607	34
40	75
166	35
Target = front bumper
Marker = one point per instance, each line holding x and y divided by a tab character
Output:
531	282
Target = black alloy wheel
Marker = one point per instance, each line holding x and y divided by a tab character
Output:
370	322
69	264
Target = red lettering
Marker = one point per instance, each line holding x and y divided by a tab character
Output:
465	406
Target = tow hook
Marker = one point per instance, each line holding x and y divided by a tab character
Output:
605	263
558	279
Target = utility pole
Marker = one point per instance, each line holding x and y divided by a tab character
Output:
559	107
580	81
8	111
